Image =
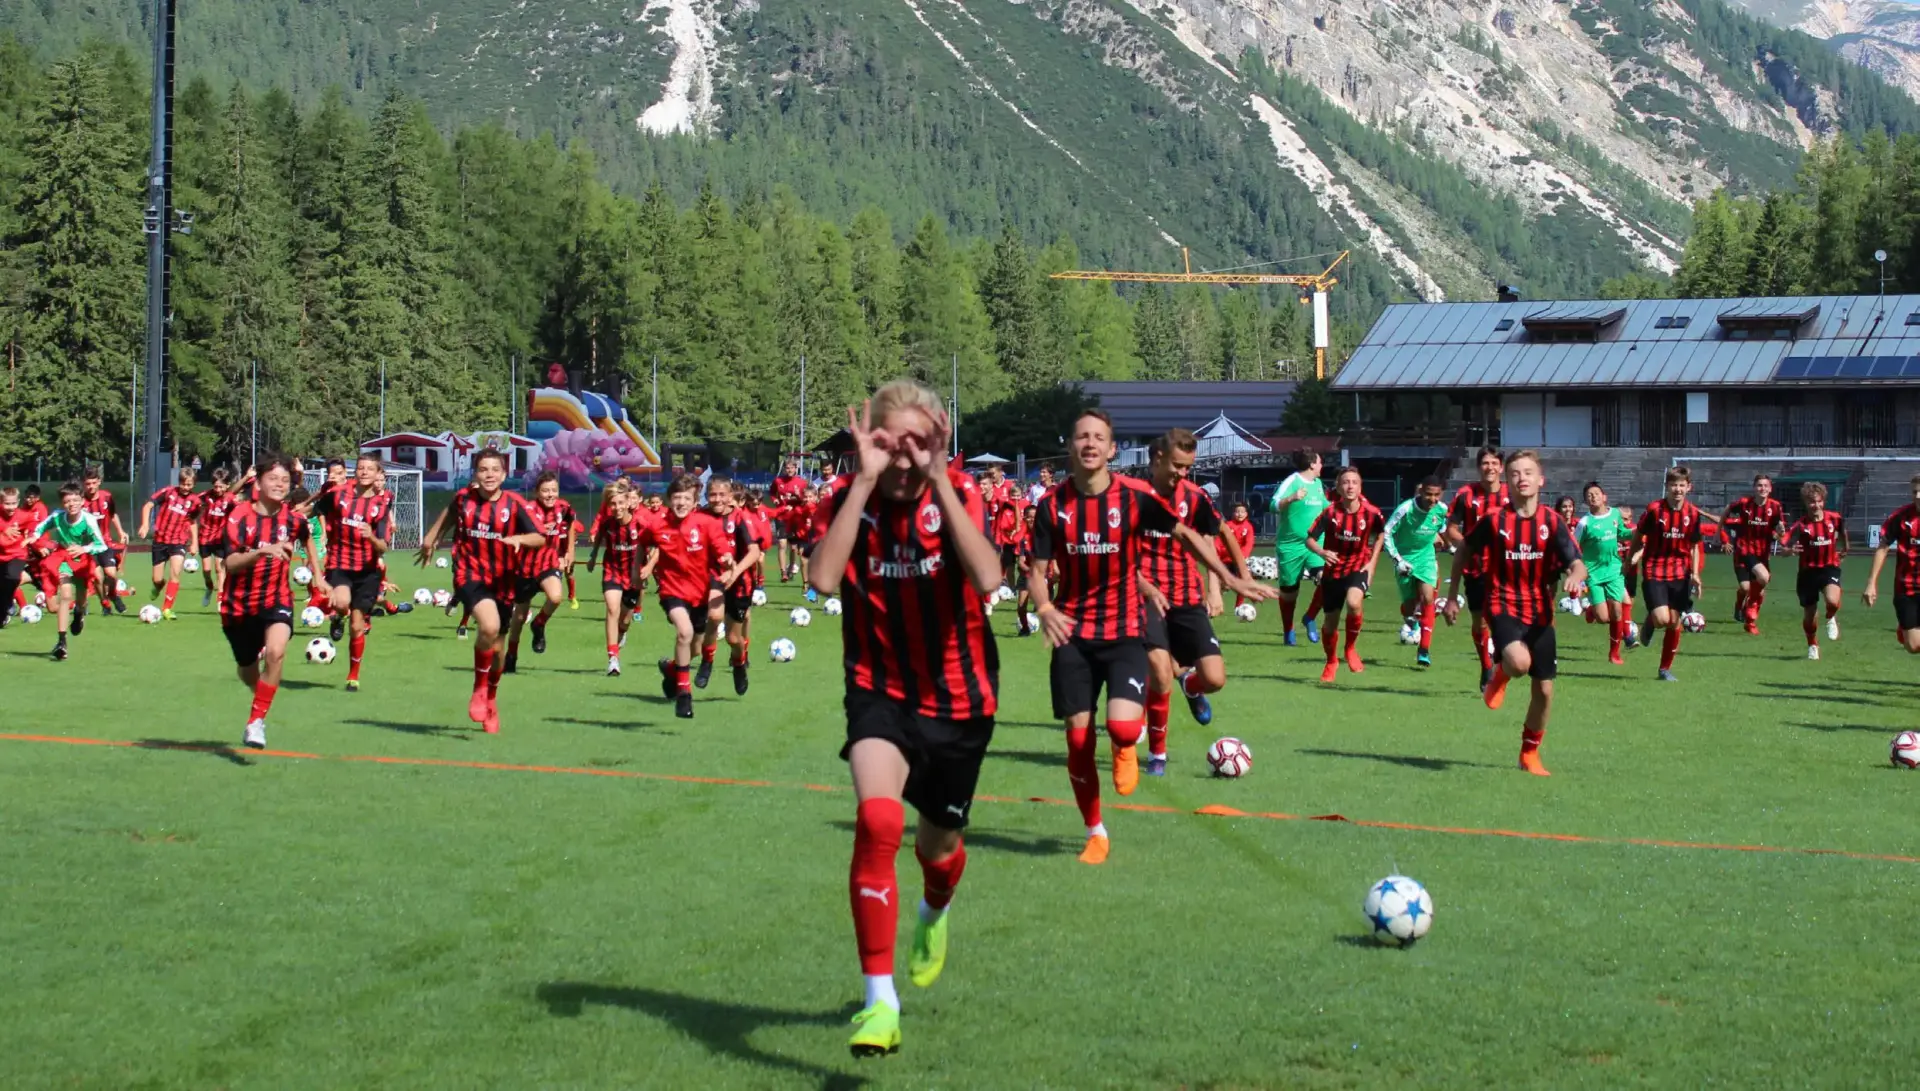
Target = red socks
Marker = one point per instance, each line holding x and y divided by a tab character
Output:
1480	644
683	683
356	647
871	889
1314	604
262	701
1157	705
706	652
173	592
1530	740
1286	615
1125	732
1330	636
1754	603
493	675
737	656
1616	633
939	878
482	668
1355	619
613	649
570	593
1811	628
1426	625
1668	647
1085	778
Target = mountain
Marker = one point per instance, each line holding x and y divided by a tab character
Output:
1881	35
1451	144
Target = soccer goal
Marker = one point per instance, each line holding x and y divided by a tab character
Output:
405	483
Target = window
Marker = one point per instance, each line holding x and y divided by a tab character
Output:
1672	322
1506	324
1913	318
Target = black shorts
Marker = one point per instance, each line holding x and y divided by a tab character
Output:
474	592
1081	668
164	553
1743	568
943	756
738	600
1333	589
1186	633
1538	637
216	552
1812	583
1906	611
668	603
247	636
365	585
1476	593
1676	595
110	559
530	585
1010	562
10	573
1630	576
629	596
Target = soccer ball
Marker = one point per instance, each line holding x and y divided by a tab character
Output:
120	588
423	597
150	614
40	599
782	650
1246	611
1409	632
720	631
1229	757
1460	601
801	616
320	651
1569	605
313	617
759	597
443	598
1633	632
1399	909
987	607
1005	594
1905	749
303	575
30	614
1693	622
191	564
832	607
439	562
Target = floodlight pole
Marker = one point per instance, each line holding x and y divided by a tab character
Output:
513	391
803	403
253	449
656	411
158	224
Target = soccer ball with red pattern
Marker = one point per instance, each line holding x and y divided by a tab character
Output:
1693	621
1229	758
1906	750
443	598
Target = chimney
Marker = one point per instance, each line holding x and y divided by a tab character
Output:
1508	293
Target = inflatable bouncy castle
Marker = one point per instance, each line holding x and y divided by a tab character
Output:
586	438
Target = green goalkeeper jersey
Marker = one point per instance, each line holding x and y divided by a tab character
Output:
1299	516
1411	533
1599	537
81	535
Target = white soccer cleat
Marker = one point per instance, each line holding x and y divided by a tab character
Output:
1833	628
613	666
257	735
1813	651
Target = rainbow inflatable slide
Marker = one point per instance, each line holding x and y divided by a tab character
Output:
586	438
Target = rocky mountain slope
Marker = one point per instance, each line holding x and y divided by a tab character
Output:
1881	35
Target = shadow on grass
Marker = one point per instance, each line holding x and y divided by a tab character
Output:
441	730
611	725
978	838
1051	758
721	1026
1831	728
1371	944
1345	683
1828	693
1431	765
1034	724
295	683
212	747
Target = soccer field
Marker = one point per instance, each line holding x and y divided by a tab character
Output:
603	895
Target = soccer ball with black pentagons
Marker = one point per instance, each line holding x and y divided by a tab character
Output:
1246	611
320	651
1399	910
150	614
759	597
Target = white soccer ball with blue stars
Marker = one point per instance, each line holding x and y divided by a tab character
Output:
423	597
303	575
320	651
191	564
150	614
831	606
30	614
782	650
1409	631
801	617
313	617
1399	910
759	597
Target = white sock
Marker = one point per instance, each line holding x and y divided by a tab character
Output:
1098	829
929	914
880	989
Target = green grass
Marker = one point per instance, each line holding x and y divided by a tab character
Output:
211	919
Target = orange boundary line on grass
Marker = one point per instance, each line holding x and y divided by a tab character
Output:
1212	810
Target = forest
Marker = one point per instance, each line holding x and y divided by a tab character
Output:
332	247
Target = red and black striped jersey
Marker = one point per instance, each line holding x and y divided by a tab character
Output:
1521	557
16	531
1754	525
692	551
1241	532
343	511
1010	524
1819	539
480	527
1164	561
1901	534
1670	535
556	525
262	585
626	546
739	527
916	627
1472	503
1096	543
101	505
214	509
174	510
1349	536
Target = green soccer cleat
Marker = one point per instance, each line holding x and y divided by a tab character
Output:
877	1032
929	951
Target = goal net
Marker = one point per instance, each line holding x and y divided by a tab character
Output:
406	484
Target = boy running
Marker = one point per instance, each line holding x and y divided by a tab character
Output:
1351	533
1472	503
357	519
256	608
1599	534
1298	502
1521	548
906	543
1239	527
732	601
171	517
1629	576
1667	546
1821	538
101	505
788	488
1752	525
692	544
547	568
73	543
1900	534
215	506
1409	535
622	528
16	534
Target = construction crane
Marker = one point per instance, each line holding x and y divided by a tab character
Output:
1316	285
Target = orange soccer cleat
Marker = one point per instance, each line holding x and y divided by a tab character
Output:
1332	671
1353	661
478	706
1530	761
1495	694
1096	850
1126	776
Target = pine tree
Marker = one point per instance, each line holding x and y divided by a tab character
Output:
1013	312
1715	259
1840	191
943	324
1776	258
77	224
1199	334
1156	332
876	289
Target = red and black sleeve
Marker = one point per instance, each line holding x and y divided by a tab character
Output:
1041	548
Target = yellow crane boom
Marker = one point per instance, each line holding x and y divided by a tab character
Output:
1316	283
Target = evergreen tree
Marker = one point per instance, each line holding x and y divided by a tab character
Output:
1156	333
877	289
1777	256
943	324
1840	192
1013	311
1715	259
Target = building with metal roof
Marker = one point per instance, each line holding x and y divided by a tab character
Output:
1812	371
1143	410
